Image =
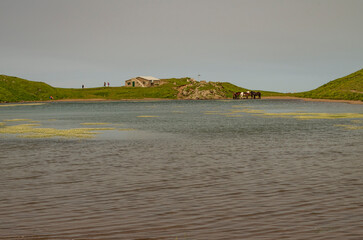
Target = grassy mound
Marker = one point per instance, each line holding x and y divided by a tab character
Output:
346	88
13	89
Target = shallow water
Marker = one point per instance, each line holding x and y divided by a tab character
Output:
183	170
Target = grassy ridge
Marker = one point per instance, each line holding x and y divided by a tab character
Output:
346	88
166	91
13	89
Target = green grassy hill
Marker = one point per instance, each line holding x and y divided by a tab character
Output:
165	91
346	88
13	89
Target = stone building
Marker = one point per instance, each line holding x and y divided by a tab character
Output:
142	81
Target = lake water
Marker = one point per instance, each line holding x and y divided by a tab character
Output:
243	169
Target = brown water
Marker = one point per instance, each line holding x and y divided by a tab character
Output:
190	172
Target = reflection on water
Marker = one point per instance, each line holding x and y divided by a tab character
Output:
192	172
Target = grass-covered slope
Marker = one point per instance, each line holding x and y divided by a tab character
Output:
165	91
346	88
170	89
13	89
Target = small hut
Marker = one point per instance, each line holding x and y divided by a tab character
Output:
142	81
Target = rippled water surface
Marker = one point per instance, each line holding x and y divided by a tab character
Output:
259	169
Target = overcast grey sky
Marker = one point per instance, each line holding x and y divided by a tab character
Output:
279	45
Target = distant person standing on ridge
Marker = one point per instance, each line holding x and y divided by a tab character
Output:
108	84
104	84
82	86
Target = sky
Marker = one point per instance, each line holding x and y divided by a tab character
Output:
276	45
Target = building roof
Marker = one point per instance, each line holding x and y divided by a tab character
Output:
149	78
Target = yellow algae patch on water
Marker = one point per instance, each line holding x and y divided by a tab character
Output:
251	111
95	123
350	127
22	128
282	115
17	120
329	115
96	129
147	116
308	116
237	111
21	104
29	131
246	111
64	133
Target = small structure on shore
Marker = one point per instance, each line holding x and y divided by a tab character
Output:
142	81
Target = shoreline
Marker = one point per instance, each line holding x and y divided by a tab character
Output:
96	100
314	99
164	99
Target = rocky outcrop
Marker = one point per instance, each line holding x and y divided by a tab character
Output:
201	90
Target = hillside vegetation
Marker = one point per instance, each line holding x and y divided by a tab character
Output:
13	89
346	88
